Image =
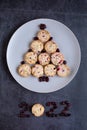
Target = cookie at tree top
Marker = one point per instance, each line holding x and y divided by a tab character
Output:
43	35
24	70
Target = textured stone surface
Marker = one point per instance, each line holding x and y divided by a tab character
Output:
72	13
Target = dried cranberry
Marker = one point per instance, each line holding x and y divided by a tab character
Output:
56	115
64	62
22	104
27	115
48	114
63	102
53	103
40	79
29	50
50	38
48	103
68	104
61	114
51	110
35	38
22	111
58	69
63	111
47	79
42	26
26	108
43	50
50	62
66	101
43	78
57	50
64	114
38	52
52	115
66	108
21	115
55	107
22	62
61	61
37	62
67	114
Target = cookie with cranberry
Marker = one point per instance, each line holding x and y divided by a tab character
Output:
44	58
57	58
63	70
50	70
37	70
43	35
24	70
36	46
50	47
30	57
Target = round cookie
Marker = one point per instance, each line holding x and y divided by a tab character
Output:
37	70
50	70
24	70
63	70
57	58
30	57
44	58
38	110
43	35
50	47
36	46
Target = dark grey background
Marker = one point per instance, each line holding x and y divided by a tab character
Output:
72	13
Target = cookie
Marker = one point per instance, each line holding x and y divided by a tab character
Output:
50	70
24	70
50	47
57	58
43	35
36	46
63	70
37	70
38	110
30	57
44	58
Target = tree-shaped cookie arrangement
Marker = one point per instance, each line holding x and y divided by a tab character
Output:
43	59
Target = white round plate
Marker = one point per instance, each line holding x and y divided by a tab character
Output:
19	45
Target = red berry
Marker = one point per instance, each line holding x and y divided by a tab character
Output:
42	26
22	62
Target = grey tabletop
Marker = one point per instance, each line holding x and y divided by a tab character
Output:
73	13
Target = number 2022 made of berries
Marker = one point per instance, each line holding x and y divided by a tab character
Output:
25	111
